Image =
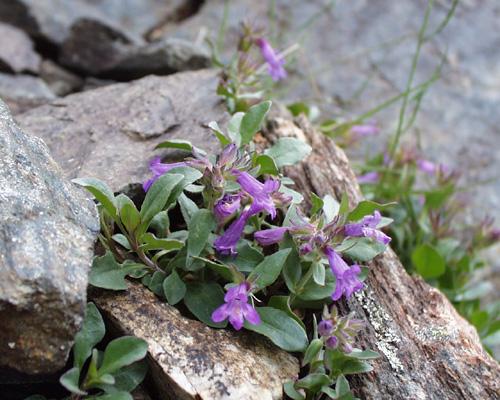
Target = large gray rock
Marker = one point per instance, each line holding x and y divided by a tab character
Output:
110	133
47	232
190	361
51	20
16	52
22	92
98	49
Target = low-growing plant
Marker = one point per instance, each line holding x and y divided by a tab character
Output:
226	236
105	375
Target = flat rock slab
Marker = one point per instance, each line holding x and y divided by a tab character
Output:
109	133
16	52
23	92
47	232
192	361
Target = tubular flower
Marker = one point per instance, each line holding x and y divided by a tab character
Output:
347	281
226	207
236	308
369	177
270	236
261	193
158	169
274	62
226	244
368	228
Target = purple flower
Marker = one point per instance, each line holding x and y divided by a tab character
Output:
236	308
158	169
228	155
367	228
270	236
261	193
347	281
427	166
369	177
226	207
226	244
274	62
332	342
325	327
362	131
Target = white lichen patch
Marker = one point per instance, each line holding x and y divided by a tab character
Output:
386	335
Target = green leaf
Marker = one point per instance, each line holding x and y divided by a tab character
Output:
291	392
214	126
318	273
266	164
313	382
158	195
178	144
364	354
252	121
174	288
352	367
428	262
151	242
248	257
361	249
130	217
101	192
296	196
317	203
367	207
70	380
233	128
269	269
128	378
312	351
476	291
283	303
223	270
188	207
91	333
331	208
312	291
202	299
156	283
281	329
112	396
160	224
342	386
201	225
288	151
106	273
122	352
344	204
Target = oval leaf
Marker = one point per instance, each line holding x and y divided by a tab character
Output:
428	262
268	270
122	352
252	120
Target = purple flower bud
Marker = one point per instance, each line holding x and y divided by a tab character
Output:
365	130
270	236
347	281
331	342
369	177
367	227
305	248
226	244
347	348
228	155
427	166
226	207
158	169
274	62
325	327
236	308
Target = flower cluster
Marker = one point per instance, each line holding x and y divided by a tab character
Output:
339	332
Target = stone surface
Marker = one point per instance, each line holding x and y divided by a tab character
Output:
110	133
428	351
22	92
51	20
47	232
97	49
16	52
189	360
60	81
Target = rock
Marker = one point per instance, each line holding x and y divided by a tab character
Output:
17	53
99	50
22	92
161	58
60	81
51	20
47	232
189	360
93	47
109	133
